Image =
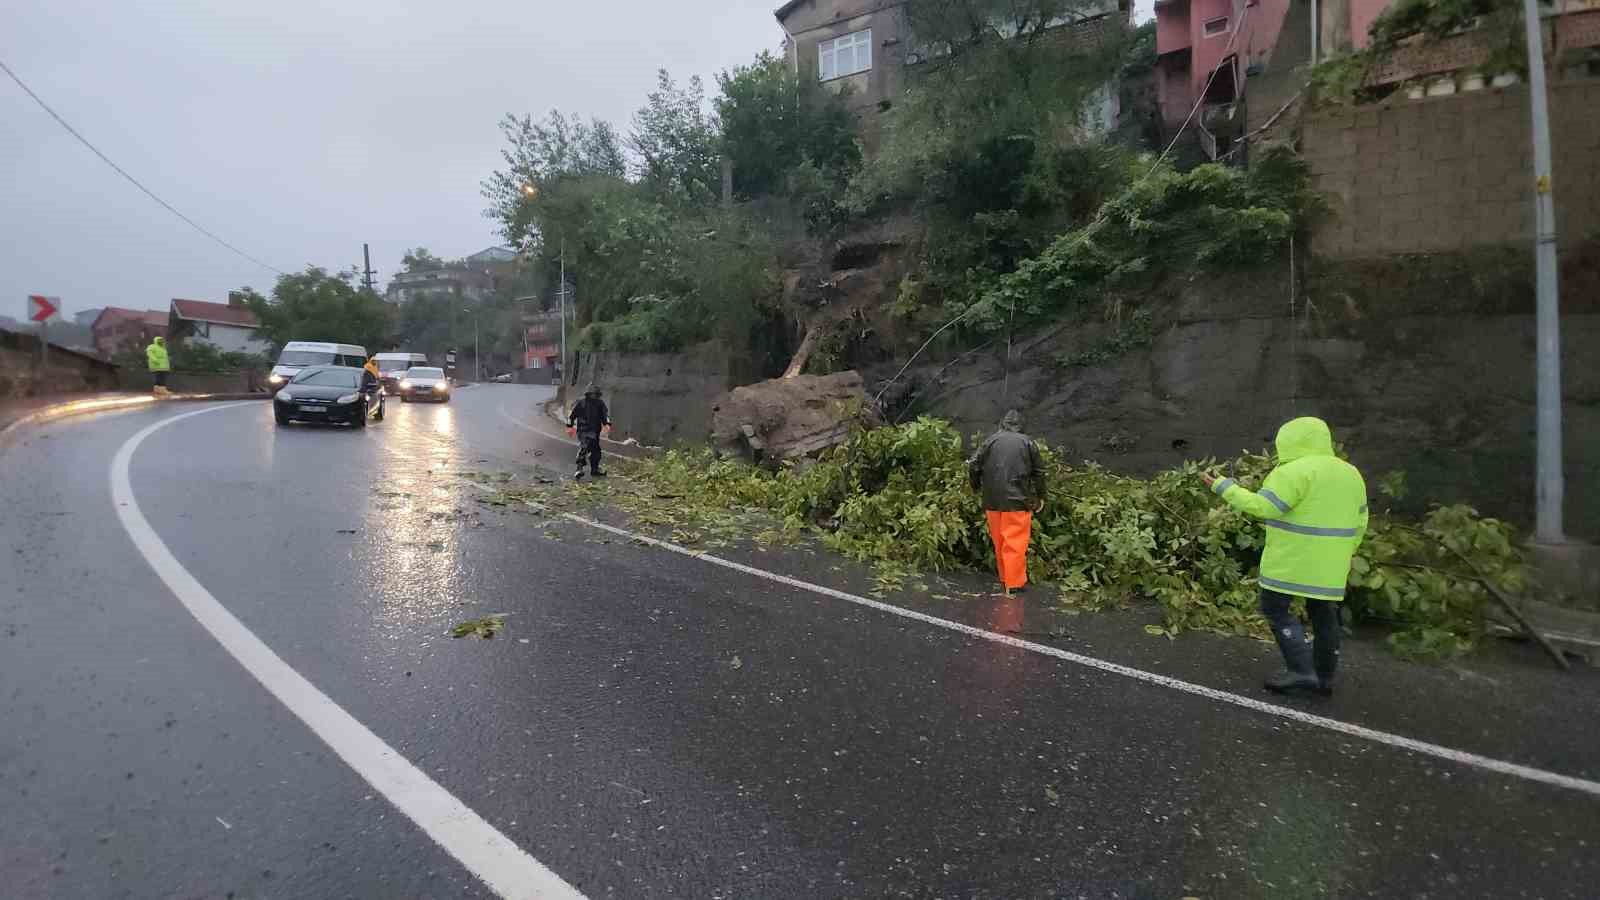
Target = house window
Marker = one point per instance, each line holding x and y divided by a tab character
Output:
1214	27
844	55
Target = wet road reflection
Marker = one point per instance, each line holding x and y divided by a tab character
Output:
411	567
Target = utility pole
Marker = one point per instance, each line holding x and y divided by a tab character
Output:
563	310
1548	525
366	268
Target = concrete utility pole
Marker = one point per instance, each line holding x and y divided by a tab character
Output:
366	268
1548	526
563	310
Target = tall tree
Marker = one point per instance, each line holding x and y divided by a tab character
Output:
315	305
676	142
539	156
773	119
419	259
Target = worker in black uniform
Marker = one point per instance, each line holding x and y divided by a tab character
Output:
588	419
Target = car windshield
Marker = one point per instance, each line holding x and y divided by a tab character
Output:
330	378
305	358
425	373
393	365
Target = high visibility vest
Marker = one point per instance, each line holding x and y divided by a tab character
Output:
1314	508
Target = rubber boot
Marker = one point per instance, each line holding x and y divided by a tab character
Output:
1298	674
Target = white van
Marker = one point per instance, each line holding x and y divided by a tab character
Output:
298	355
392	367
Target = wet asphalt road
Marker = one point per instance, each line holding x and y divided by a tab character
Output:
648	725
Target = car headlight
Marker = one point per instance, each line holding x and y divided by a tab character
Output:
275	378
285	396
347	398
405	385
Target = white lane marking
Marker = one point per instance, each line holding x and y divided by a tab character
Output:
506	868
1351	729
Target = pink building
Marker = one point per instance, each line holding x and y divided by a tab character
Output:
1196	37
1242	40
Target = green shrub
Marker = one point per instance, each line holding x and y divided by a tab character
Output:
899	497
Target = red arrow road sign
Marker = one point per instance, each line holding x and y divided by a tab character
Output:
42	309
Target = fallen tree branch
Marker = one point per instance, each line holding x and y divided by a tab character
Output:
1510	607
1557	655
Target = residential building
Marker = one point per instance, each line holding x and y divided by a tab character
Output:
542	338
864	47
1205	50
473	278
116	328
229	327
1210	51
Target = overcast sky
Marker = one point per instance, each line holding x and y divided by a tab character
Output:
296	130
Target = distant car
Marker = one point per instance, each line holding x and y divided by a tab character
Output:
505	378
424	383
392	367
328	394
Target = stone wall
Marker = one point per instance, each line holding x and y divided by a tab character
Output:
1424	364
662	398
240	382
1449	173
68	372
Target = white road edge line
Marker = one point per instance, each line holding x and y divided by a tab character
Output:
507	869
1350	729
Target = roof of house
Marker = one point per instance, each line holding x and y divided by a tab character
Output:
218	313
494	254
152	317
783	11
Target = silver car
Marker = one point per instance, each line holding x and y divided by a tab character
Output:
424	383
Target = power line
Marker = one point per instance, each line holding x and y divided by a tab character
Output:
131	180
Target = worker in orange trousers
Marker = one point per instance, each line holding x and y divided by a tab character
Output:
1008	471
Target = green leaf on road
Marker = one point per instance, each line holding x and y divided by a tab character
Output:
486	627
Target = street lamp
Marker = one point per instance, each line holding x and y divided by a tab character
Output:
477	358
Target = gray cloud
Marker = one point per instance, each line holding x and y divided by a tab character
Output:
297	130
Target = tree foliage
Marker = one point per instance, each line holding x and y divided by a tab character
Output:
1001	82
419	259
675	141
316	305
775	119
996	142
540	155
1210	217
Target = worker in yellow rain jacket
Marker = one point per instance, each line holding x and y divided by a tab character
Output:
159	364
1314	507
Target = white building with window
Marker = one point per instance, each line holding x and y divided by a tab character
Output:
848	43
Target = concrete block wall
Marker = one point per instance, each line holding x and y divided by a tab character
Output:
662	398
1452	173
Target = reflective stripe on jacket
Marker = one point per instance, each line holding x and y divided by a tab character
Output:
1314	506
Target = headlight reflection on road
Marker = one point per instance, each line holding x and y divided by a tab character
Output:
443	423
414	571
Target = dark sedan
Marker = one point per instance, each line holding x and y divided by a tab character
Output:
328	394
